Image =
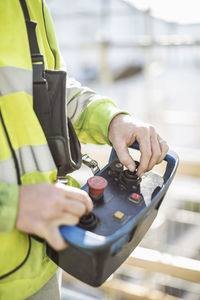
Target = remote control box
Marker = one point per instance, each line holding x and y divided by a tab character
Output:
124	209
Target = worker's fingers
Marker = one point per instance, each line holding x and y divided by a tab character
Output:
50	230
155	150
124	130
74	207
146	153
75	194
55	239
59	206
123	154
163	147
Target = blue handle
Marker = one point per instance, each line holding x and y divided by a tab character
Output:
84	239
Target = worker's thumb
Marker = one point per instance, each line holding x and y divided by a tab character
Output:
124	156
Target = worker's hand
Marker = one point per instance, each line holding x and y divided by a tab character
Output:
44	207
125	130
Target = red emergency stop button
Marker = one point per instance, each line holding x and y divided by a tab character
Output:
135	197
97	185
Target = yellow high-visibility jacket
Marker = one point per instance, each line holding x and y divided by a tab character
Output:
23	147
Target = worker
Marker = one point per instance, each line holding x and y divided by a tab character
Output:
32	202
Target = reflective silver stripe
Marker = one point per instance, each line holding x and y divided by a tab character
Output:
78	97
14	80
35	158
30	159
7	171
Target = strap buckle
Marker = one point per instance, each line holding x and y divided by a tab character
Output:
91	163
37	58
62	179
38	68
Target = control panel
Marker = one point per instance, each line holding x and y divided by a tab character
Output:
125	206
118	195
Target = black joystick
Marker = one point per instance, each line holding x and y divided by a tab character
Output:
88	222
130	178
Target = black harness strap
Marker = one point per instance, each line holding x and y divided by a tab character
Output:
36	57
40	86
31	31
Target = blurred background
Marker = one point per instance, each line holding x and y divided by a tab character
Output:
145	55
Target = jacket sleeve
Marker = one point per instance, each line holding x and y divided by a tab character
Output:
8	206
90	113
